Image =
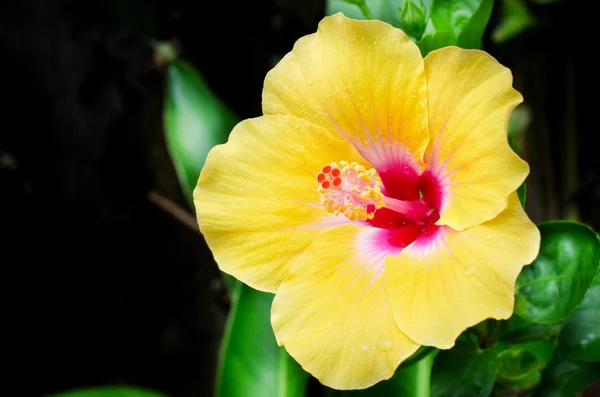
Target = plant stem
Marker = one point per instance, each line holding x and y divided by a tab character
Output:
416	378
365	9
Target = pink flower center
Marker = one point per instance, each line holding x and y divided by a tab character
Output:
398	199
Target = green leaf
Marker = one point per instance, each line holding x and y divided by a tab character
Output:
463	23
563	378
515	18
579	339
109	391
552	287
472	33
409	381
195	121
516	364
383	10
464	371
431	42
533	332
505	388
250	362
519	362
518	330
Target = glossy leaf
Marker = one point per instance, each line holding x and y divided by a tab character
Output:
461	23
579	339
195	121
109	391
563	378
520	361
515	18
250	362
409	381
464	371
552	287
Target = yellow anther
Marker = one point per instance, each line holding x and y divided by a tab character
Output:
350	189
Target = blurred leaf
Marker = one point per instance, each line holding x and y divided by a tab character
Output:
552	287
533	332
579	339
464	371
461	23
383	10
519	121
471	34
522	193
109	391
431	42
413	17
515	18
563	378
520	361
250	362
195	121
409	381
516	364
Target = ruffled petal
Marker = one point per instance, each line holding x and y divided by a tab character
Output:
361	80
470	99
256	200
333	316
441	285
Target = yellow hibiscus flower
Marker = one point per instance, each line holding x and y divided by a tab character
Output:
375	197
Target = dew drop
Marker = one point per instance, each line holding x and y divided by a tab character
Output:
364	347
384	345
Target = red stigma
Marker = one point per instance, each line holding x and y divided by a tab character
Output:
326	169
320	177
325	185
337	181
335	172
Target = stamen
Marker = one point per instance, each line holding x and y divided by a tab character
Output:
350	189
412	209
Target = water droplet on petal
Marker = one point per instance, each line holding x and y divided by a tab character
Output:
364	347
384	345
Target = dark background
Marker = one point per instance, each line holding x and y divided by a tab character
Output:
104	286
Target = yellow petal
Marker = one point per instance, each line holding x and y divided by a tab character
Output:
256	200
333	316
361	80
440	288
470	99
